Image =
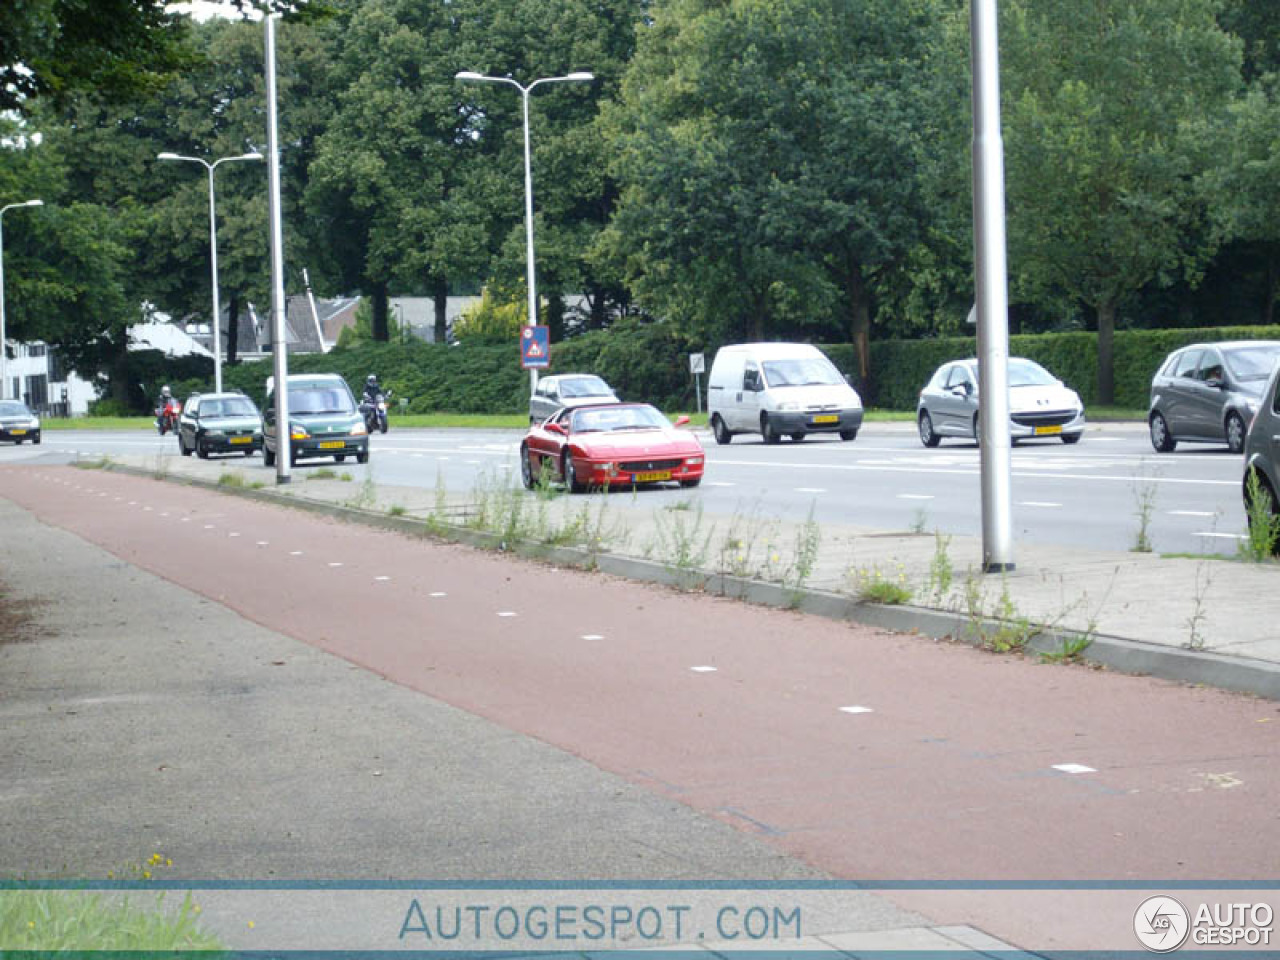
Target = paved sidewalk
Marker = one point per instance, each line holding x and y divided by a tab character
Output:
1197	620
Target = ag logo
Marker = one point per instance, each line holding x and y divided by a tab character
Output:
1161	924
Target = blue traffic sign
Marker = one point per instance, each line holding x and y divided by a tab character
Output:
535	347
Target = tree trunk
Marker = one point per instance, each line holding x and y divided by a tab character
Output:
233	328
598	315
860	330
440	300
1106	352
553	315
380	333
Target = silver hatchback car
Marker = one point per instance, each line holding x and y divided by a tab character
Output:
567	390
1040	405
1209	392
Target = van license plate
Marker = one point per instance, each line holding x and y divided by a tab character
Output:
1046	431
332	445
652	476
826	418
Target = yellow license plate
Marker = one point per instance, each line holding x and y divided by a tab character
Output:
652	476
332	445
1043	431
242	439
17	433
826	418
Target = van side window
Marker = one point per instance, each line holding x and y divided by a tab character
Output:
751	376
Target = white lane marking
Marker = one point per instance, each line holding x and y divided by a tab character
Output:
208	526
438	593
164	513
1073	768
856	709
593	636
915	496
186	519
1220	536
703	669
1047	504
715	484
381	579
506	613
420	456
473	462
262	543
810	490
972	472
295	553
1191	513
335	563
233	534
148	509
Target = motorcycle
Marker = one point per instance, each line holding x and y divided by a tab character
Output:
167	416
375	412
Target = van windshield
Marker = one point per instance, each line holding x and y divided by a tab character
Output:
801	372
305	400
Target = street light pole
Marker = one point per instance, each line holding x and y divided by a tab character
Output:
4	363
528	184
213	254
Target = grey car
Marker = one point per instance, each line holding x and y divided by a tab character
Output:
18	423
1040	405
1209	392
219	423
567	390
1262	446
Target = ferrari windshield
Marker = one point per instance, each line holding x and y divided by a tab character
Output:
801	372
603	419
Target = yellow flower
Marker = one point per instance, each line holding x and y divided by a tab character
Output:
31	924
168	863
146	874
250	924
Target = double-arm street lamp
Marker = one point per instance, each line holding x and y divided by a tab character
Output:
528	178
213	253
4	371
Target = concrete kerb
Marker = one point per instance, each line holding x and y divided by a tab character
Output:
1239	674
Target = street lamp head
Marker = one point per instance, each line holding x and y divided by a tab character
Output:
34	203
581	75
252	156
167	156
468	75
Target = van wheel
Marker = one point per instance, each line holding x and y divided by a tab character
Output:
362	456
766	430
847	435
723	433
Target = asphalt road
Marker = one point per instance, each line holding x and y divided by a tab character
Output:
1093	494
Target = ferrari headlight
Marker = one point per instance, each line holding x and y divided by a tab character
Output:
693	461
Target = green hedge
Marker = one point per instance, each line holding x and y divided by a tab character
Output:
650	362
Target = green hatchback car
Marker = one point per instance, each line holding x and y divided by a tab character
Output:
323	421
219	423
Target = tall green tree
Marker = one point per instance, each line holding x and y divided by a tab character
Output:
1108	123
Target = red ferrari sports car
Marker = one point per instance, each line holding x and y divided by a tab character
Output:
611	445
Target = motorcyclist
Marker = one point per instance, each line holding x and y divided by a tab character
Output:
372	389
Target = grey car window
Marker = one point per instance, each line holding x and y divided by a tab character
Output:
1210	366
1187	363
1252	363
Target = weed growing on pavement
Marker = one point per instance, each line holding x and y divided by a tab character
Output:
1013	631
103	462
920	520
235	480
1263	533
545	486
681	543
747	544
808	542
1145	501
396	510
940	570
682	505
367	496
1073	645
873	585
345	476
324	473
1195	623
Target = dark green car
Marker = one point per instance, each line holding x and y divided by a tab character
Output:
219	423
323	421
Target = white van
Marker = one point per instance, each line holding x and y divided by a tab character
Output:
779	388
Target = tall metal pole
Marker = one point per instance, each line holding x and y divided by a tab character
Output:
528	231
213	281
528	186
991	283
279	349
4	357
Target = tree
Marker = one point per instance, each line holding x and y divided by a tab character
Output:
1103	146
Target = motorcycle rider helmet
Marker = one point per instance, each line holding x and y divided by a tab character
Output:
371	380
164	391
